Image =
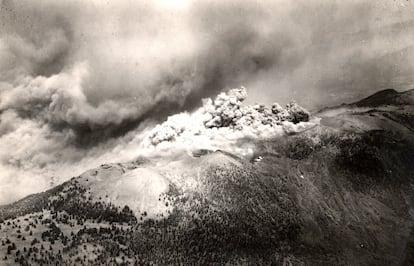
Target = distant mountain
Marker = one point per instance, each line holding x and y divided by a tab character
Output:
387	97
341	193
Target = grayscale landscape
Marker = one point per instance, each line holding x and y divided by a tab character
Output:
206	133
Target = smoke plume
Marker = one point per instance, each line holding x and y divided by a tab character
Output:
226	123
83	82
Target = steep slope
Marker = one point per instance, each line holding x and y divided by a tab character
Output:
387	97
339	193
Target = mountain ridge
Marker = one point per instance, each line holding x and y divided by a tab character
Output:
387	97
338	193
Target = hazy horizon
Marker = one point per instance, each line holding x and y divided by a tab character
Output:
80	81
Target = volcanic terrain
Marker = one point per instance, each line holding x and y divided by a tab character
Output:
336	191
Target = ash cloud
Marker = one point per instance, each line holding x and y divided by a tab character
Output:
226	123
81	80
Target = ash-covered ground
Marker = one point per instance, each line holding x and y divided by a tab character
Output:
339	192
127	139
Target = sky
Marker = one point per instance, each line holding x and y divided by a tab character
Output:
81	80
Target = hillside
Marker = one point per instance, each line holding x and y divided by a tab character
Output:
338	193
387	97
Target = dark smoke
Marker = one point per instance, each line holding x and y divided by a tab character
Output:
80	79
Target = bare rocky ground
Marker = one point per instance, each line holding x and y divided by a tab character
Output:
341	193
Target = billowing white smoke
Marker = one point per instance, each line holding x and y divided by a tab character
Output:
81	81
223	122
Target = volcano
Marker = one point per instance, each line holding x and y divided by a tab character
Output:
338	192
